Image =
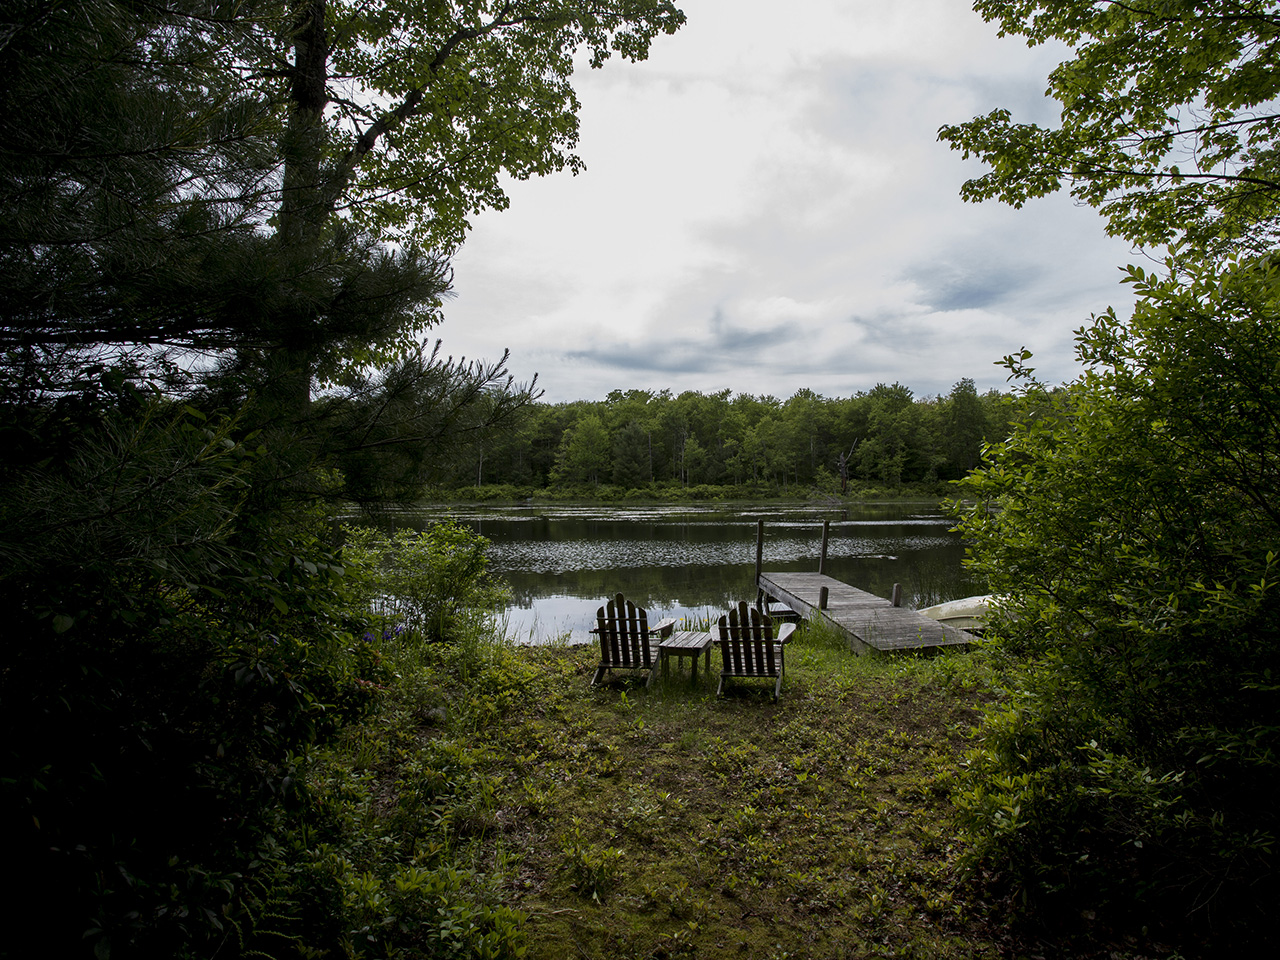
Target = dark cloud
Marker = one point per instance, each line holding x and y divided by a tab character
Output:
981	285
734	340
674	356
726	345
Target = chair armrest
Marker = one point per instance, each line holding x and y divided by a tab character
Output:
664	627
784	632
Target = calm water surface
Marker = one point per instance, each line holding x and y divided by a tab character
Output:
694	561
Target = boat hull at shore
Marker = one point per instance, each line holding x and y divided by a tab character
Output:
968	613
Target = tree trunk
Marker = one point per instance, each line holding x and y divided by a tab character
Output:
302	212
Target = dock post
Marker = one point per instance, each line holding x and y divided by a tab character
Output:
759	562
822	598
897	594
822	557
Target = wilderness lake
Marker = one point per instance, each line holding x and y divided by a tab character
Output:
694	560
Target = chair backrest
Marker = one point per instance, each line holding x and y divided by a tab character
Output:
624	634
746	642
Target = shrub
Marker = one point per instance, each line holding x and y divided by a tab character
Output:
169	656
427	581
1131	530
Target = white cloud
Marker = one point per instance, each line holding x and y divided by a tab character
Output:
766	207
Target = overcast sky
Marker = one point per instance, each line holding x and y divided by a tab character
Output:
766	207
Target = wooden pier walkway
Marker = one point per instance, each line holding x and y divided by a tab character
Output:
869	622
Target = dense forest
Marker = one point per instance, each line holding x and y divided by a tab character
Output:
639	439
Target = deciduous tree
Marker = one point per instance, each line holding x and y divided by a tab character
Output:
1128	526
584	451
1168	119
229	176
1132	542
631	456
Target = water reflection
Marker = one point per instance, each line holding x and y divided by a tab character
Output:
694	561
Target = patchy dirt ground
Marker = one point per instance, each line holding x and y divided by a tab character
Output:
498	805
665	822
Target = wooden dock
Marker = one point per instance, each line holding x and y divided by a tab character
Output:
869	622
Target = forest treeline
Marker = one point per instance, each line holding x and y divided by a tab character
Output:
642	439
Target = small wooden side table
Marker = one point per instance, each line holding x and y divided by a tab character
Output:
686	643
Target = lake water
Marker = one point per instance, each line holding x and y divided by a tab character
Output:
562	561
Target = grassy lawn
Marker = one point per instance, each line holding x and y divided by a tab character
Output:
667	823
664	822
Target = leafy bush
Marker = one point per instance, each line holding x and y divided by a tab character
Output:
387	859
168	658
1132	531
427	581
181	642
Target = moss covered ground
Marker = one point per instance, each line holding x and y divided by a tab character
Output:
667	822
621	821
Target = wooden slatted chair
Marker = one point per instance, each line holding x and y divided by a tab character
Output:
750	647
627	642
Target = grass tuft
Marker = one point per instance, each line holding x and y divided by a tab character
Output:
632	822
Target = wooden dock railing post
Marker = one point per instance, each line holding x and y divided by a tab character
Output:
822	598
759	562
822	557
897	594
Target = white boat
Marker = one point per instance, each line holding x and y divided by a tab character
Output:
968	613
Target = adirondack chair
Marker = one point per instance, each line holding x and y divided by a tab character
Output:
627	642
751	648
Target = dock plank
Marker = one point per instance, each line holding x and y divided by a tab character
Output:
870	622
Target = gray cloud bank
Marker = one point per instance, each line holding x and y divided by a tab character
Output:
766	208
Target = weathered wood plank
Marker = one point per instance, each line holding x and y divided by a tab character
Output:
750	648
870	622
686	643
